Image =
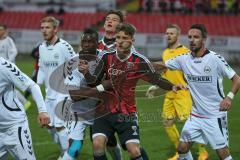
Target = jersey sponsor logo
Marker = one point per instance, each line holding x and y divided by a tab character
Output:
115	72
197	61
199	79
56	56
207	69
51	64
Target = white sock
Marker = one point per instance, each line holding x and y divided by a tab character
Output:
229	158
115	152
66	156
63	139
186	156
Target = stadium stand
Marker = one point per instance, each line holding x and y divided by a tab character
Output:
145	23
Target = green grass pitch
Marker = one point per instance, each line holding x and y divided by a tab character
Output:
153	136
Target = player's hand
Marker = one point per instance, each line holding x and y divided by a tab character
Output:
177	87
83	66
151	91
225	104
43	119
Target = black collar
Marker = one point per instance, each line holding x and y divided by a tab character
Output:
48	44
109	41
205	53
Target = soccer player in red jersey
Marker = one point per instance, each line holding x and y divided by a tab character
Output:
123	68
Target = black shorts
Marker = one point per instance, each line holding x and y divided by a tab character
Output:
126	127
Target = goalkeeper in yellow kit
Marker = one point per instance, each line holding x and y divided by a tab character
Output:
176	105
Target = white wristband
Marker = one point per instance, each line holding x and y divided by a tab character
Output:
230	95
100	88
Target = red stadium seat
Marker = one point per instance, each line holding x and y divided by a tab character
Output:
145	23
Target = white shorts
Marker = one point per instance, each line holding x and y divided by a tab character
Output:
76	130
51	104
17	141
202	130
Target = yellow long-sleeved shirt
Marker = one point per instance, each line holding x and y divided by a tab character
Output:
176	77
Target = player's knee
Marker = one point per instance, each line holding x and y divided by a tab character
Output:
183	148
224	153
99	144
74	148
168	122
133	149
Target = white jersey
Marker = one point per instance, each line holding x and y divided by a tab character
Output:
75	79
11	110
8	49
50	58
204	76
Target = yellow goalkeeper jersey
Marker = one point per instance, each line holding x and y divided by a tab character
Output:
176	77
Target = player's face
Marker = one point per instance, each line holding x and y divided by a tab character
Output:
111	22
2	32
48	30
89	44
124	41
172	36
196	41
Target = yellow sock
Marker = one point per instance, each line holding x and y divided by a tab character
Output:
173	134
201	148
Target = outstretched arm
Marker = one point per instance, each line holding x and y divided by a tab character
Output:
43	117
86	92
226	103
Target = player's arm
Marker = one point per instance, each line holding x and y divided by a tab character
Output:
23	82
95	78
12	50
43	117
94	92
68	51
226	71
152	77
40	74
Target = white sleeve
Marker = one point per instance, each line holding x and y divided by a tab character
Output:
68	51
38	98
224	68
173	64
12	50
40	76
14	75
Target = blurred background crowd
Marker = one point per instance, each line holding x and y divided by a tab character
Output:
150	17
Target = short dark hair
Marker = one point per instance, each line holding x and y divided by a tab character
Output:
92	32
200	27
116	12
4	26
127	28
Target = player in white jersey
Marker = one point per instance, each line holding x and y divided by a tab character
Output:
15	136
204	71
74	80
53	52
8	48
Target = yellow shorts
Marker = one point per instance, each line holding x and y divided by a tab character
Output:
177	108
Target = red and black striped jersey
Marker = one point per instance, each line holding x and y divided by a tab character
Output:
124	75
